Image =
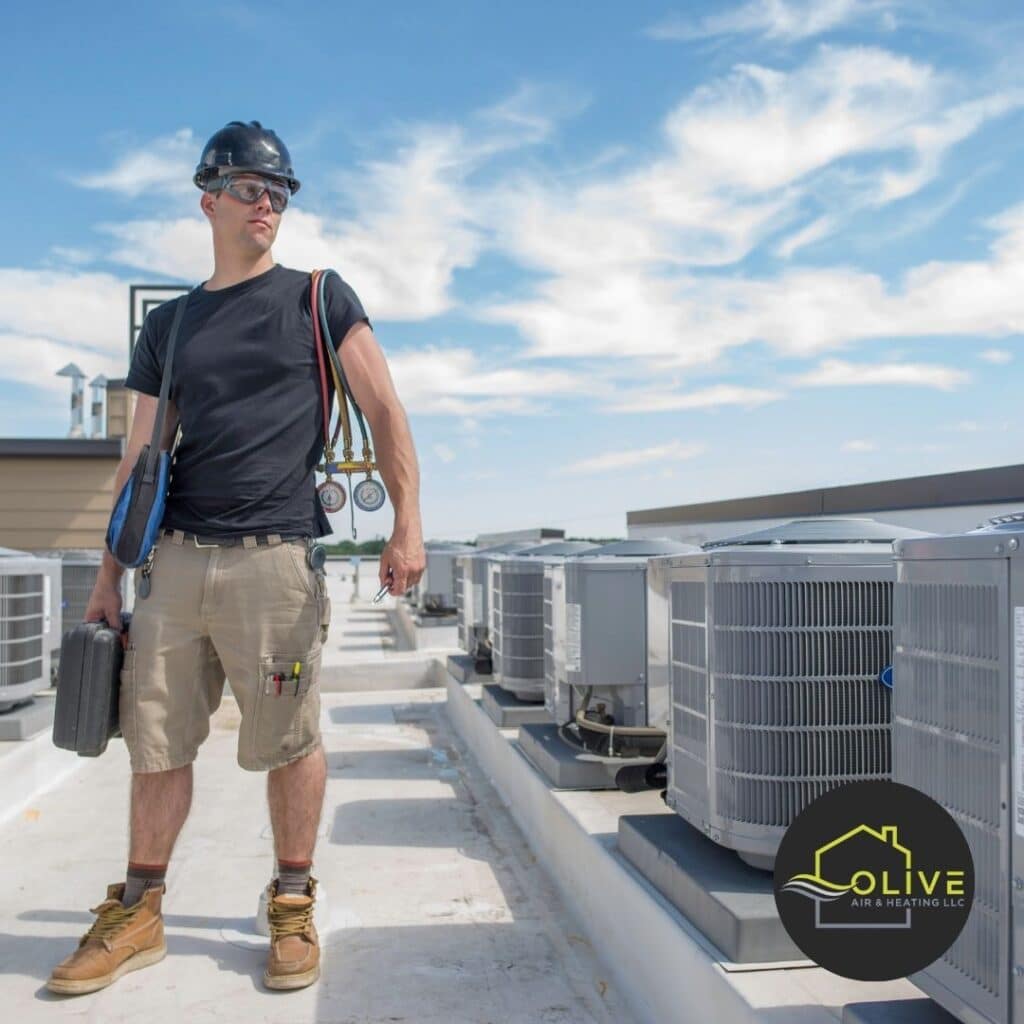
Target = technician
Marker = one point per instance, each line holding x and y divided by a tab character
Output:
232	591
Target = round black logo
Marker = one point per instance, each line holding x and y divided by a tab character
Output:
874	880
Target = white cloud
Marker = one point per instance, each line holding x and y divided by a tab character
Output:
707	398
163	165
860	446
35	360
67	254
671	452
444	452
745	155
819	228
998	356
787	20
457	382
85	311
838	373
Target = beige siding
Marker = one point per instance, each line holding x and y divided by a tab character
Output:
48	503
120	410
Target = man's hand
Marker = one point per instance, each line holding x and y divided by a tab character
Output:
105	604
405	558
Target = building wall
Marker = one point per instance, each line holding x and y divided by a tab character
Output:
48	503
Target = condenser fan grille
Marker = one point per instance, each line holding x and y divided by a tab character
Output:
949	725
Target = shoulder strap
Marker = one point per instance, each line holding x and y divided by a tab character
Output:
165	390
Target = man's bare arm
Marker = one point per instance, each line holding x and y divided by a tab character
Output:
366	370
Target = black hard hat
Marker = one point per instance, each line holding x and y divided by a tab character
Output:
240	147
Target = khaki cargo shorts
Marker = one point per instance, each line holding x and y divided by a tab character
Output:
247	613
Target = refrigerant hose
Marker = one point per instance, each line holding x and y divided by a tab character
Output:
611	731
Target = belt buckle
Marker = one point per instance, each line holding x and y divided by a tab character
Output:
195	540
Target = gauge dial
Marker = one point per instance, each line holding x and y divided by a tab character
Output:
368	495
331	495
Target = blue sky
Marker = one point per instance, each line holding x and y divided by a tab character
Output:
619	256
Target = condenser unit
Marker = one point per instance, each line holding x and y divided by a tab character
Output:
80	571
436	591
556	687
471	595
24	650
774	644
605	649
52	606
958	709
516	601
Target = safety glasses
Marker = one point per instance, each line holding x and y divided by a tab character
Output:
247	190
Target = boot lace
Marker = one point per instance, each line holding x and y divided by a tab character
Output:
112	917
289	920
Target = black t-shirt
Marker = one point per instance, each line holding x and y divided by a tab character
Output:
246	383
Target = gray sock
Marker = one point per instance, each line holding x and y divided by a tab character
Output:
293	876
140	878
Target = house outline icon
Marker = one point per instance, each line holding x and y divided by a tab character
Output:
886	835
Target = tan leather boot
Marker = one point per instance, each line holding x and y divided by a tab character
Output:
294	960
121	939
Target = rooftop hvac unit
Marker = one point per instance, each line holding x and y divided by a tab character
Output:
77	577
774	646
516	601
80	571
958	709
52	605
24	651
605	649
437	591
473	610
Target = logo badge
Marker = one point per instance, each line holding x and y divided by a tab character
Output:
874	881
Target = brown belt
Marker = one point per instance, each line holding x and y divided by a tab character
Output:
252	541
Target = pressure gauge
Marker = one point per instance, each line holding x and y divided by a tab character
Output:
331	495
368	495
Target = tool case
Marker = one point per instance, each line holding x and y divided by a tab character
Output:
88	687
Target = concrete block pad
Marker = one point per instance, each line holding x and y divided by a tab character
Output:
565	766
730	902
28	720
507	711
461	668
897	1011
427	621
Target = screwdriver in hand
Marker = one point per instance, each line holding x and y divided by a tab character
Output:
379	596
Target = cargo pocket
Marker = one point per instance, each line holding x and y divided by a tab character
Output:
287	708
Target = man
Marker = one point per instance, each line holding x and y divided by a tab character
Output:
231	589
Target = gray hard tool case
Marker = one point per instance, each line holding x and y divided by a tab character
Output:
88	688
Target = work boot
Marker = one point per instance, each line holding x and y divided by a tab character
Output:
294	960
121	939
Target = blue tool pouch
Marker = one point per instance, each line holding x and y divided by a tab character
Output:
139	509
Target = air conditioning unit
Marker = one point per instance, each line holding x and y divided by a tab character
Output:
605	649
78	569
436	590
52	606
774	645
516	600
471	596
24	649
958	708
556	686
